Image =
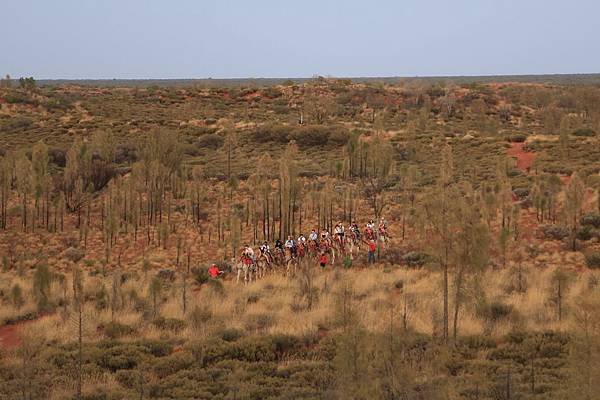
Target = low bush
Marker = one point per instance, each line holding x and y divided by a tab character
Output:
172	364
478	342
259	322
210	141
230	334
73	254
554	232
591	219
414	259
521	193
585	232
593	259
201	275
305	136
126	153
170	324
584	132
115	330
57	157
517	138
494	311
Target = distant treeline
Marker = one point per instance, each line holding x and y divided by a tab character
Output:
558	79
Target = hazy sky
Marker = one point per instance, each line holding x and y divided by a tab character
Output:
300	38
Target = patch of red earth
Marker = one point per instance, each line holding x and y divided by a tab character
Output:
524	158
10	336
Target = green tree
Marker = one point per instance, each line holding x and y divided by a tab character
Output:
42	284
471	251
574	195
439	224
155	292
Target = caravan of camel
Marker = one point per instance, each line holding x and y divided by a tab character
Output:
324	247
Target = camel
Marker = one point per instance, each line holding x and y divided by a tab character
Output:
242	267
263	264
289	262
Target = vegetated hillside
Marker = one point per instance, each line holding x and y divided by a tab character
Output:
114	201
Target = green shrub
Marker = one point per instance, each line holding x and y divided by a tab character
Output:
585	232
494	311
210	141
259	322
517	138
554	232
128	379
497	311
16	296
593	259
521	193
584	132
230	334
478	342
156	347
201	275
285	343
124	356
115	330
414	259
591	219
171	324
172	364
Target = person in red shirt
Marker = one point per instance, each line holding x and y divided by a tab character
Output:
213	271
323	260
372	249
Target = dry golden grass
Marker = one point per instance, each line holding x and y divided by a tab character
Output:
275	305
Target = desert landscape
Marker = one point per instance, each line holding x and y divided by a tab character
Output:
117	197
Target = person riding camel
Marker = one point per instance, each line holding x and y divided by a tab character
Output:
324	242
355	230
279	246
302	239
266	251
382	226
339	232
248	255
370	229
301	245
370	225
291	245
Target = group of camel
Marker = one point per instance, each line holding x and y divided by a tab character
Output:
287	261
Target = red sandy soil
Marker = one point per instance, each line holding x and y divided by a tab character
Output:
524	158
10	336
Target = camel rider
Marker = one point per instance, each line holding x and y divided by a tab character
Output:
313	236
371	225
279	245
248	255
302	239
382	225
291	244
264	249
354	229
339	231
